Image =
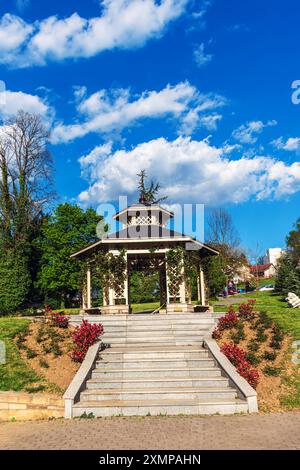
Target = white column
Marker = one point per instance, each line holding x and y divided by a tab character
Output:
198	287
167	283
202	288
126	285
89	287
182	289
84	297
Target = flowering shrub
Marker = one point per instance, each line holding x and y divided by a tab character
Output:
59	319
85	336
229	320
238	357
251	375
216	334
48	310
246	310
234	353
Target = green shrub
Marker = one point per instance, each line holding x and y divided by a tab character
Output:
276	344
261	337
253	358
31	354
253	346
272	371
44	364
36	389
270	356
239	334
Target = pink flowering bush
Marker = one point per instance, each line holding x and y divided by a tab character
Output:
238	357
85	336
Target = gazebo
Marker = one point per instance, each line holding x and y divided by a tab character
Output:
144	243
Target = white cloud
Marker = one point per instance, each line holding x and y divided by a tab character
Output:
201	57
113	110
123	24
290	145
248	133
13	101
188	170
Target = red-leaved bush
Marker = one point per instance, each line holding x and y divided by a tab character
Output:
234	353
85	336
59	319
238	357
229	320
48	310
216	334
249	374
246	310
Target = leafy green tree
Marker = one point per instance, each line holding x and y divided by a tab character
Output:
293	243
144	287
67	230
288	272
287	277
215	277
14	280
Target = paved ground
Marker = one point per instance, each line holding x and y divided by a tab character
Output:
273	431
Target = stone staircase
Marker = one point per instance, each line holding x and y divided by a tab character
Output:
156	365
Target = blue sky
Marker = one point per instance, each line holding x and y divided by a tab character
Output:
197	92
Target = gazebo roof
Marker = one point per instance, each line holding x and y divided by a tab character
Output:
146	236
144	225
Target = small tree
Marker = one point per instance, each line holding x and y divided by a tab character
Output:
148	194
214	275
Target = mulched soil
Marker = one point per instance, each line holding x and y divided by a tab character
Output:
53	363
270	388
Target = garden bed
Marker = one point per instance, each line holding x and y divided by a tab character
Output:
46	350
268	352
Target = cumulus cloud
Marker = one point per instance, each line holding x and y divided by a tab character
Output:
113	110
13	101
290	145
248	133
122	24
201	57
189	171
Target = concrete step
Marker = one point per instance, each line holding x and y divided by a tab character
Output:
153	352
147	332
155	373
171	342
159	338
146	319
138	383
197	406
163	339
156	363
176	393
155	329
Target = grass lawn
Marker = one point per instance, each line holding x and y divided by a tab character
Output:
15	374
147	306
